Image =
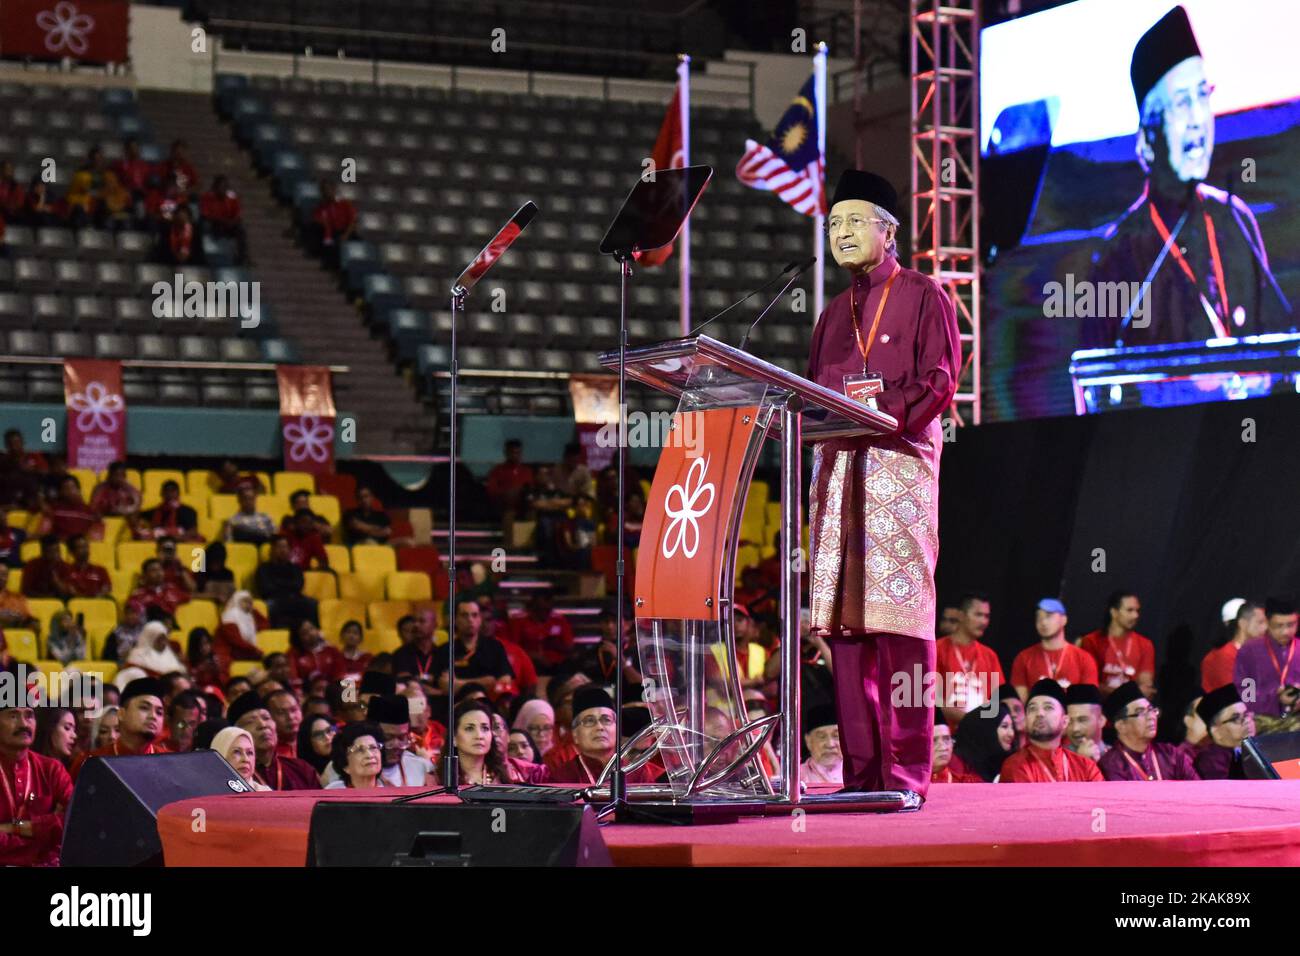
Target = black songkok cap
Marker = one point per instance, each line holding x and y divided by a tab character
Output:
822	716
857	184
389	709
589	696
1161	48
1082	694
1007	691
1120	698
1215	701
244	704
1047	688
377	682
142	687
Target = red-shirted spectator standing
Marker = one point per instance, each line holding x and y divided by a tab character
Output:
223	217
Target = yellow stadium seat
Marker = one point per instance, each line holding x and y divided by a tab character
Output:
114	528
23	645
86	479
273	639
327	506
441	637
132	554
107	670
362	586
198	613
221	507
43	609
15	582
96	635
380	640
746	557
29	550
335	612
265	478
241	558
372	558
285	483
210	529
103	553
319	585
243	668
18	519
260	607
123	583
49	668
340	557
95	610
409	586
387	613
154	478
201	482
274	505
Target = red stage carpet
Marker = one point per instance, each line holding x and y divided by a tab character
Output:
1209	823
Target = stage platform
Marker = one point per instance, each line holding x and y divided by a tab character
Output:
1208	823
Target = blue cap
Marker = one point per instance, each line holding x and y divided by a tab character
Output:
1051	605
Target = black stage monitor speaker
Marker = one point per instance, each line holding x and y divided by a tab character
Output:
384	834
112	820
1272	757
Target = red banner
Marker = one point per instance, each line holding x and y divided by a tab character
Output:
306	418
92	391
89	31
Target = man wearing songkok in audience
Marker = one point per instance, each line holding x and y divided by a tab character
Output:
248	712
401	768
1229	723
140	723
890	341
821	735
1268	665
594	737
1137	755
34	793
1045	760
1083	711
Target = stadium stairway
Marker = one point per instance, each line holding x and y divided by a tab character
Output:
307	303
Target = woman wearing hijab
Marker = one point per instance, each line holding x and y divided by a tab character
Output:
983	742
236	638
236	747
357	754
316	741
67	640
479	759
537	719
152	656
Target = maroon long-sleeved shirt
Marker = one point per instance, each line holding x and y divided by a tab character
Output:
917	349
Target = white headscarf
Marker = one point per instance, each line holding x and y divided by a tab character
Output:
244	620
146	657
223	742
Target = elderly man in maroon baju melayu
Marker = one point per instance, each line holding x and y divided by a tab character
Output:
891	340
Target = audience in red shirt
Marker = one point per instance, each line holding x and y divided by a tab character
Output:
544	635
115	495
154	591
84	579
69	515
305	542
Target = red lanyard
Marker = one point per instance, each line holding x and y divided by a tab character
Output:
1051	772
1052	666
966	665
19	806
853	310
1138	767
1122	655
1219	329
1283	668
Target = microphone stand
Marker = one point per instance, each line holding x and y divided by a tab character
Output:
745	298
618	784
784	289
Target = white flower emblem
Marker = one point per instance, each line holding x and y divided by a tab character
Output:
309	438
97	408
685	519
65	27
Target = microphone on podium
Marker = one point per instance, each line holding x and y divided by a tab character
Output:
784	289
749	295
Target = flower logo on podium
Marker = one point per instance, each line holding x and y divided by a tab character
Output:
97	408
309	438
685	519
66	26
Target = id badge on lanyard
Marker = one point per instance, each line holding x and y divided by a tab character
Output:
864	387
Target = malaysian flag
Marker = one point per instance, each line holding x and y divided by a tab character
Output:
790	163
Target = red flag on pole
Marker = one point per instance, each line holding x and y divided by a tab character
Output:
669	153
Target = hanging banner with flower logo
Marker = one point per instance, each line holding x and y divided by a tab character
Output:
306	417
89	31
92	391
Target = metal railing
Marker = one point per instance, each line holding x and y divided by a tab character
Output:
166	364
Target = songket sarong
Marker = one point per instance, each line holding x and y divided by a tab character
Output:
873	527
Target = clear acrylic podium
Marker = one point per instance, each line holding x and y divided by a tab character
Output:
730	403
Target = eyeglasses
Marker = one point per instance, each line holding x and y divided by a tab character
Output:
856	223
1144	712
399	743
540	728
323	734
1235	719
1181	104
604	720
364	749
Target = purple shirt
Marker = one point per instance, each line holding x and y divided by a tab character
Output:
1261	660
1173	761
917	346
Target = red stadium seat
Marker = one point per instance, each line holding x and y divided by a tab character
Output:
342	487
427	559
